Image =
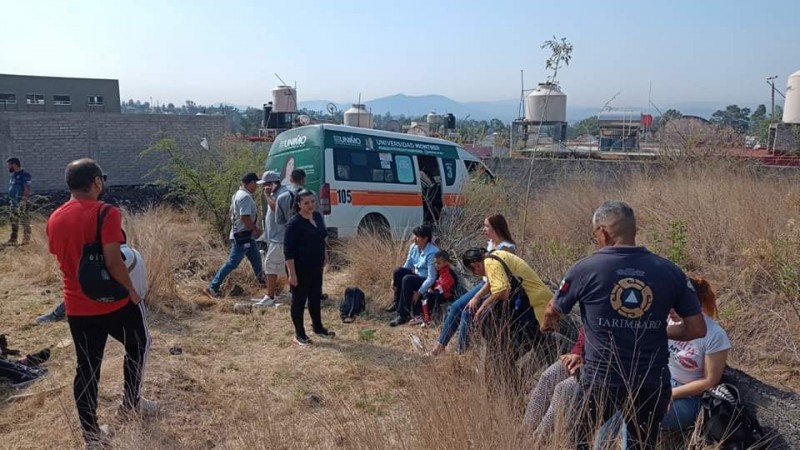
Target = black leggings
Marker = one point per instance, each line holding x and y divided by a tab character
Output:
89	334
309	288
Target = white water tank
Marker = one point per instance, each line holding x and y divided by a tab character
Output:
434	120
358	116
284	99
791	108
546	103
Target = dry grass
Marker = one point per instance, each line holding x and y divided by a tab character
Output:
241	384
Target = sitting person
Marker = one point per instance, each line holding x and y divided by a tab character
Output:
555	390
416	276
459	315
697	365
443	289
508	317
25	371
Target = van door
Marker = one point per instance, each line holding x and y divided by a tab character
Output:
431	183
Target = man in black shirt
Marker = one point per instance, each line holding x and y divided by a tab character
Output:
625	294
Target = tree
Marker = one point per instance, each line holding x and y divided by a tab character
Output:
589	125
670	114
734	117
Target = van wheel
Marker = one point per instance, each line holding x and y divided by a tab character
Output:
374	224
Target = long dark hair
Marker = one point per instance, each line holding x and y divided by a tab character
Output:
299	198
500	226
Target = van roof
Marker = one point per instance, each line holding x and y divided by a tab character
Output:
285	141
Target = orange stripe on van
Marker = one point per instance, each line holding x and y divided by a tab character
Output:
372	198
453	200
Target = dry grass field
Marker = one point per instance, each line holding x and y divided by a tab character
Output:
241	384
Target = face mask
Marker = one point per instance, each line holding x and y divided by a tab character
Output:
10	170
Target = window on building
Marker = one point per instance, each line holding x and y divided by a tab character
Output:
34	99
95	100
372	167
62	100
10	99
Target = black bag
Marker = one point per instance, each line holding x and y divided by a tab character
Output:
96	283
352	304
727	421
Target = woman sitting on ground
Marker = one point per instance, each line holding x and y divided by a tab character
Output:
459	315
555	390
416	276
697	365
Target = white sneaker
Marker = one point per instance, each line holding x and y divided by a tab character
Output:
265	302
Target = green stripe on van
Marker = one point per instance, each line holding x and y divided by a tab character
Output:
381	144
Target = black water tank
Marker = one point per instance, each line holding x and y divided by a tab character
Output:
267	111
450	121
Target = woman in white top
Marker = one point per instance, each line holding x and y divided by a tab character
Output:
459	315
697	365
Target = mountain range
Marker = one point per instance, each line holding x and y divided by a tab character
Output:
505	110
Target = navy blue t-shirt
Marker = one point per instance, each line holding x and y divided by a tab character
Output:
625	294
17	183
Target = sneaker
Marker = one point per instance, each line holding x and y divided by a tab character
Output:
100	440
302	341
49	318
29	376
399	320
325	333
417	320
265	302
145	408
211	292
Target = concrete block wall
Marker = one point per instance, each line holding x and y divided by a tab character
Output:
46	142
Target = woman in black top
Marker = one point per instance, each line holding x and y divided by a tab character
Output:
306	256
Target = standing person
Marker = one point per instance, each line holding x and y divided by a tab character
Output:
417	275
459	314
274	263
69	228
284	208
19	192
625	294
306	256
244	230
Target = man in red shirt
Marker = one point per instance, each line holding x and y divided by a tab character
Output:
69	228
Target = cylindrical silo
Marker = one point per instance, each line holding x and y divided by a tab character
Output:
358	116
284	99
546	103
791	108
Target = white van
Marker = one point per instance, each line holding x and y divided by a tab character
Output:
375	179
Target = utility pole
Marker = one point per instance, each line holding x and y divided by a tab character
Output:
771	82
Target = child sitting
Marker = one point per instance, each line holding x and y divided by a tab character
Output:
443	289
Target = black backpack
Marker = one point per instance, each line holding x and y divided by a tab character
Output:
96	283
352	304
727	420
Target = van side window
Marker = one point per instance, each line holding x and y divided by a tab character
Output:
477	172
449	171
372	167
405	170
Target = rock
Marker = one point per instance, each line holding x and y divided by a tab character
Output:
777	410
314	400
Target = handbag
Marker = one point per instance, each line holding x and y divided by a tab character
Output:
95	280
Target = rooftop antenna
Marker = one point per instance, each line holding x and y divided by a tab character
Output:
605	105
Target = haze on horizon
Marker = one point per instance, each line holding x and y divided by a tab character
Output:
208	51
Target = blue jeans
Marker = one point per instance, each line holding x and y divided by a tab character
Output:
238	252
682	412
455	320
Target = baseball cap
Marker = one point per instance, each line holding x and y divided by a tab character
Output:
249	178
269	176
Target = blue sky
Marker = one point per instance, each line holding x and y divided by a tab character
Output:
210	51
